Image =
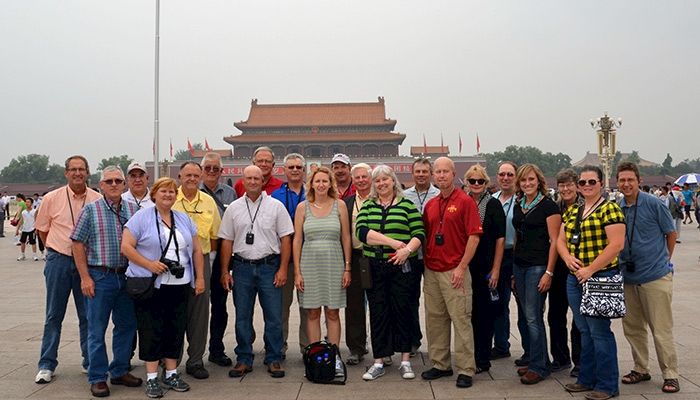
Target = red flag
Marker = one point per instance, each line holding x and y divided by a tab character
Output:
425	145
478	144
171	147
206	145
460	143
189	147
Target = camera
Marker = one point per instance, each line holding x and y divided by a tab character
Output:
630	267
249	238
575	239
174	267
439	239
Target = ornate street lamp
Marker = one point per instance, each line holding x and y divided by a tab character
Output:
606	128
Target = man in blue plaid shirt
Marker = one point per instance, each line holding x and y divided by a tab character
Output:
96	248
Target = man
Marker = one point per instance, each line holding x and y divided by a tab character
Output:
340	165
54	222
202	210
6	200
257	230
137	180
263	158
501	345
420	193
355	313
453	225
648	272
688	199
291	194
96	249
223	195
2	216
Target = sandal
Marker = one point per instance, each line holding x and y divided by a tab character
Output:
635	377
671	386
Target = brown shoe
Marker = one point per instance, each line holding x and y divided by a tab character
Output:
275	369
522	371
576	388
99	389
239	370
127	380
531	378
598	396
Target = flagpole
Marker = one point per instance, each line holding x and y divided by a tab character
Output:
156	122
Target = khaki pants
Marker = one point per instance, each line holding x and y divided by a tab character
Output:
444	307
649	304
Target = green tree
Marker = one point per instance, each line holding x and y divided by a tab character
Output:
121	161
32	168
668	161
184	154
634	157
549	163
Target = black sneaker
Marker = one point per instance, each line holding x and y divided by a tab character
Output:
176	383
221	360
523	361
464	381
153	389
434	373
197	371
496	354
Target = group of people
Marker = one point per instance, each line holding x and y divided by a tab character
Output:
347	237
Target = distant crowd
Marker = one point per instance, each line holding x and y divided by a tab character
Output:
160	260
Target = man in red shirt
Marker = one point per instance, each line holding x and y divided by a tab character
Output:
453	228
263	158
340	165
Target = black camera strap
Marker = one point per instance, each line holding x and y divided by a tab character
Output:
577	228
629	233
171	237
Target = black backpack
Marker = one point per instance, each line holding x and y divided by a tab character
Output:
319	363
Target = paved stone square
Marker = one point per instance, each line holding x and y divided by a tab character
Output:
22	317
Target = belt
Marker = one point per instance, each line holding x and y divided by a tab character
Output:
357	252
264	260
117	270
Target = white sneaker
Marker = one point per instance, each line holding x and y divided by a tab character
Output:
44	376
36	258
21	258
339	371
83	370
406	371
373	373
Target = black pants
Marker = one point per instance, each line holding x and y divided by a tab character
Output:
355	315
557	320
390	309
417	268
218	318
484	314
161	322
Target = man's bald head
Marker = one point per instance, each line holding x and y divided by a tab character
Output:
252	181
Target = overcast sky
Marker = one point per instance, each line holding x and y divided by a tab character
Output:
78	76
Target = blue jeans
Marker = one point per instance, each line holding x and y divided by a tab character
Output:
249	280
61	278
599	368
110	298
532	302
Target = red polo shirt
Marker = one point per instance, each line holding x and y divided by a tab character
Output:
460	219
271	185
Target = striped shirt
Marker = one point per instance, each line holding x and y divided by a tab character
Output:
401	221
99	227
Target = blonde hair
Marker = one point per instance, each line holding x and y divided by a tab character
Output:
479	170
332	190
162	182
526	169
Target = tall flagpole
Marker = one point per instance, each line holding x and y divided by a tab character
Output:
156	121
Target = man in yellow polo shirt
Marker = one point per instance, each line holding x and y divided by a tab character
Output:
201	208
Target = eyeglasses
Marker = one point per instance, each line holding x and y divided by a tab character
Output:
591	182
504	174
475	181
113	181
210	168
74	170
294	167
566	185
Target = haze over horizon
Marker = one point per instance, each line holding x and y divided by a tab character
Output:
77	76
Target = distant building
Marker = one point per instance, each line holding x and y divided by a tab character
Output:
430	151
593	159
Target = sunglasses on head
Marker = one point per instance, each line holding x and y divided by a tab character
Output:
475	181
502	174
210	168
113	181
591	182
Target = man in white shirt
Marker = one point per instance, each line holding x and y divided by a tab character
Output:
137	181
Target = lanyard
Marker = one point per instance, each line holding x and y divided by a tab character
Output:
163	251
421	202
630	235
70	205
510	202
253	217
286	198
195	211
118	214
443	207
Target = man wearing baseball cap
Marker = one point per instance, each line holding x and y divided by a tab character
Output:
137	182
340	165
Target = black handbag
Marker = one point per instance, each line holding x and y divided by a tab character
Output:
140	288
604	297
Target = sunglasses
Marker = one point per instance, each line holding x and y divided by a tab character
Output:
475	181
591	182
509	174
113	181
294	167
210	168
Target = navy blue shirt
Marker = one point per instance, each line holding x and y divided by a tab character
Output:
648	223
289	198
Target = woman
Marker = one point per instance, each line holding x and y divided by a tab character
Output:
391	229
322	250
593	250
160	241
486	265
26	225
536	219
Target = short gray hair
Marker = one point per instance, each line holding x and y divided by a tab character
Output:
263	148
294	156
111	168
382	169
212	156
361	165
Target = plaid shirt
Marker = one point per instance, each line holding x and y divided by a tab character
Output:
593	238
100	230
